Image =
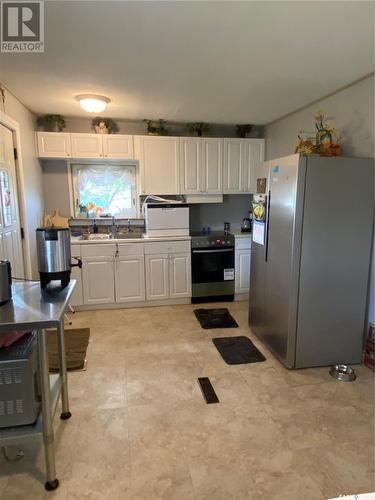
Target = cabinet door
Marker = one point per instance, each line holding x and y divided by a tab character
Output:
240	159
253	154
87	145
77	296
130	279
242	271
179	275
191	165
76	274
53	145
234	162
98	281
159	164
118	146
157	286
212	159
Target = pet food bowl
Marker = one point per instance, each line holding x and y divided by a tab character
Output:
344	373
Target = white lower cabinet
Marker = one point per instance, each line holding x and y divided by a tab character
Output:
98	281
168	270
242	265
98	275
131	272
179	275
157	277
76	274
242	274
130	279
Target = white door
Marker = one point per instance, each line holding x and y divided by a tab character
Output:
212	159
53	145
130	279
9	220
87	145
98	280
159	164
2	256
179	275
157	286
191	165
242	271
118	146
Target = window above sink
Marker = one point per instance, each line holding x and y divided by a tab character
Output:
104	189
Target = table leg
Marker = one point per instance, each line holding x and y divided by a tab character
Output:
63	373
52	482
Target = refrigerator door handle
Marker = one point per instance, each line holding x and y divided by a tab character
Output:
267	222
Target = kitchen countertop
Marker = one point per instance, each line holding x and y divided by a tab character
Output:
238	234
76	240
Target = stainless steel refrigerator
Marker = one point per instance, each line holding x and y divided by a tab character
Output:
310	258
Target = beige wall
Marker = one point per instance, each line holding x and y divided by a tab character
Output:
56	187
352	113
32	172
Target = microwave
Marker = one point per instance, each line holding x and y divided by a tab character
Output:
167	219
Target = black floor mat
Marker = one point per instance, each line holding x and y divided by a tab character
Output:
215	318
237	350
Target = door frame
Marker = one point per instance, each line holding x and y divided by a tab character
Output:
12	125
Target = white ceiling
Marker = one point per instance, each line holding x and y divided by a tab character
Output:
222	62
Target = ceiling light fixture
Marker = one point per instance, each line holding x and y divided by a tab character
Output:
93	103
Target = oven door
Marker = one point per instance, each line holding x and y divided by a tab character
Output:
212	265
212	274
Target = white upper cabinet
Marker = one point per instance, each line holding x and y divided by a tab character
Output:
191	165
159	164
87	145
118	146
201	165
240	159
61	145
212	159
53	145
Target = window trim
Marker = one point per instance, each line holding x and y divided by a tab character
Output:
122	163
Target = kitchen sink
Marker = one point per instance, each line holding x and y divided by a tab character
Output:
127	236
117	236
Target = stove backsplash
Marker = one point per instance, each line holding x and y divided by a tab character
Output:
233	209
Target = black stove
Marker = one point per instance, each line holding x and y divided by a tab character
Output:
212	265
211	240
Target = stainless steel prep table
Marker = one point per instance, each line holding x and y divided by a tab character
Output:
34	309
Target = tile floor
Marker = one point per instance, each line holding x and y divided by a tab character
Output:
141	430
